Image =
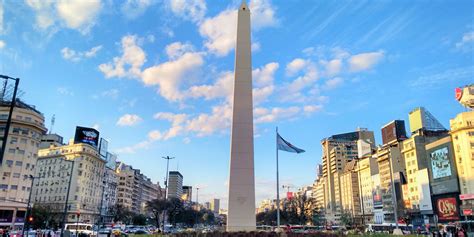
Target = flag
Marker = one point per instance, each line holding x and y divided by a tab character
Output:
286	146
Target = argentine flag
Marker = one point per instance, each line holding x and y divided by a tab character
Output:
283	145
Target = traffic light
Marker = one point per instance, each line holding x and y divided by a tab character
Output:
30	219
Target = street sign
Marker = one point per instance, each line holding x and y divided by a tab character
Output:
467	212
466	196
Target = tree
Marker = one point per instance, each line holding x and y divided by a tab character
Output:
346	218
44	216
139	219
318	217
175	206
156	207
123	214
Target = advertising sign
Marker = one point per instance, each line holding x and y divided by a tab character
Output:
394	131
104	144
458	92
467	212
466	196
86	135
111	161
440	164
289	195
424	186
377	196
447	209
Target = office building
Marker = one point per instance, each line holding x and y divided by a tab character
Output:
19	161
175	184
215	205
462	134
367	167
187	193
350	196
338	150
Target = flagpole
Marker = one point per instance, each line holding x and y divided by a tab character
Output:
278	182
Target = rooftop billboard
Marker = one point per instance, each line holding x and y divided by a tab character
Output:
87	135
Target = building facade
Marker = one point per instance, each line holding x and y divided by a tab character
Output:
175	184
76	168
19	161
215	205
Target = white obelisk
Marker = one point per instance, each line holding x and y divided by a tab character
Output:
241	213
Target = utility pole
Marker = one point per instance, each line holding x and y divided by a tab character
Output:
9	120
167	158
67	198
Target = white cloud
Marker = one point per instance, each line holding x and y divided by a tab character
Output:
263	115
74	14
306	80
177	49
312	108
96	126
2	44
295	66
467	38
133	57
75	56
220	32
264	76
365	61
332	67
188	9
169	75
222	88
135	8
65	91
262	13
333	83
129	120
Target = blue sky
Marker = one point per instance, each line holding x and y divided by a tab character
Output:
155	77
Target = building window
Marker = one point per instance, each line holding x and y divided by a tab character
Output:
23	141
16	175
13	140
11	150
6	174
4	186
14	187
18	163
21	152
9	162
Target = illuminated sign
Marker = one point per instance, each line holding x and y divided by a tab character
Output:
447	209
466	196
289	195
86	135
440	164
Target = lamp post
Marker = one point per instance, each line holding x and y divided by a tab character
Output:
28	207
10	113
167	158
67	197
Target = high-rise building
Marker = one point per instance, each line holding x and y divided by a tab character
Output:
462	133
125	187
109	196
367	167
187	193
175	184
215	205
76	167
350	196
20	156
425	129
338	150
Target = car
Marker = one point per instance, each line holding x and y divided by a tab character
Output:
141	232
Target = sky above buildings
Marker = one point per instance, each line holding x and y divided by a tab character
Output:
155	77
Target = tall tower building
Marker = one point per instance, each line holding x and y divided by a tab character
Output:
19	162
241	216
187	193
338	150
215	205
175	184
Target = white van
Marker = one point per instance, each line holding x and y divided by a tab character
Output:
79	227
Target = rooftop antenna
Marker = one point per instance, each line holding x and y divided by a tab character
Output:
53	119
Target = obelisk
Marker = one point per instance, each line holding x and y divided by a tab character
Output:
241	212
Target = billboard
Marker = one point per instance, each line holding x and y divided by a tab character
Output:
394	131
86	135
104	144
376	191
424	186
447	209
111	160
440	164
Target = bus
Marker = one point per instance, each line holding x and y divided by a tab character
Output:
387	228
79	228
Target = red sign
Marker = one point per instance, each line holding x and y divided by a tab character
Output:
458	93
467	212
447	209
466	196
289	195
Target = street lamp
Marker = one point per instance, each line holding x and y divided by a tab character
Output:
167	158
67	197
9	120
28	207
